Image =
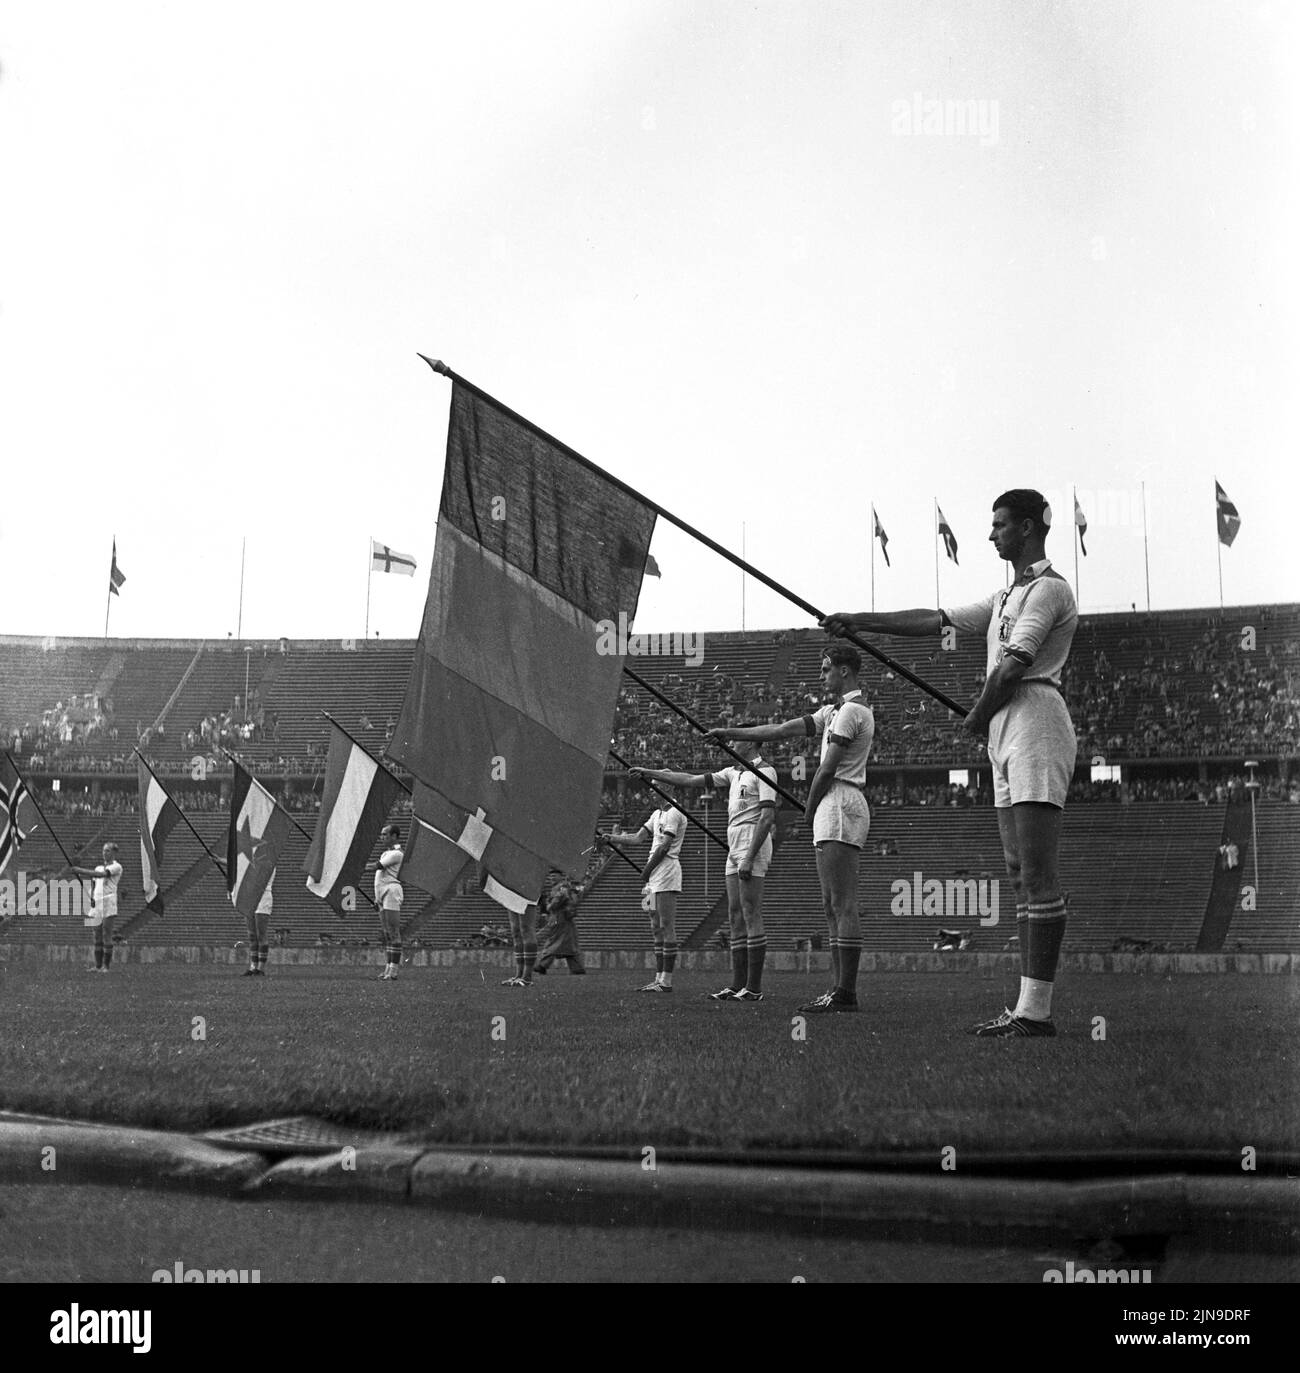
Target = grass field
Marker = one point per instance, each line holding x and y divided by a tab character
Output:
1194	1061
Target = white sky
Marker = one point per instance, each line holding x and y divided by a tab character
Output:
694	241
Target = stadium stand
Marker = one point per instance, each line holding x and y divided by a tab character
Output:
1179	699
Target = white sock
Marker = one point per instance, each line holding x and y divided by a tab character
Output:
1035	999
666	979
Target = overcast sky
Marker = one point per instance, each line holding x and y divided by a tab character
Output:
745	256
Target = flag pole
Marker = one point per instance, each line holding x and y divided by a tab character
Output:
1218	543
1146	552
370	567
873	559
645	781
32	795
366	751
938	600
703	729
216	862
1074	496
742	577
239	623
108	604
870	649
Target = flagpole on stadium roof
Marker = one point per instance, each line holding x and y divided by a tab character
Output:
1218	542
239	623
1074	496
938	600
1146	552
370	567
645	781
881	657
108	604
873	559
216	862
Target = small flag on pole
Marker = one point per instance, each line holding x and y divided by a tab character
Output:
880	534
945	531
385	559
652	567
1229	520
159	815
1082	524
115	576
258	831
13	794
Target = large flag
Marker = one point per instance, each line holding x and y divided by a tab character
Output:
945	531
879	533
159	815
14	796
1229	520
385	559
510	706
358	796
258	830
115	576
1081	521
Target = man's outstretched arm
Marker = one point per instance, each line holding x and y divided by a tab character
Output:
914	624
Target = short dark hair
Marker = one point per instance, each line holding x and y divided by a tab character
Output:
393	830
843	655
1024	503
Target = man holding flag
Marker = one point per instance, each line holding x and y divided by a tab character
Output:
104	910
258	830
1029	628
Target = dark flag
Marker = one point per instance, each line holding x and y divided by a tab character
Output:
115	577
1081	521
1229	520
945	531
13	797
258	830
358	796
879	533
510	706
159	815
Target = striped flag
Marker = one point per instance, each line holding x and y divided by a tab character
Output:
258	831
1082	523
510	705
13	796
385	559
445	837
115	576
879	533
1229	520
358	796
945	532
159	815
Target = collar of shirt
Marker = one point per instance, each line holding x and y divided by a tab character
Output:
849	695
1034	570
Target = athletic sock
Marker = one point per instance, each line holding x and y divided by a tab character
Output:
529	961
659	961
99	955
835	960
1035	1001
108	955
757	957
263	954
1046	929
850	954
670	963
739	963
1022	933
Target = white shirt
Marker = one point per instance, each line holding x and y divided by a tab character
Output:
667	824
747	794
1033	619
106	879
390	864
852	724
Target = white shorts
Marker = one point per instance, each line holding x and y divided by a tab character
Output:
842	816
739	838
667	876
96	916
390	899
1032	748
